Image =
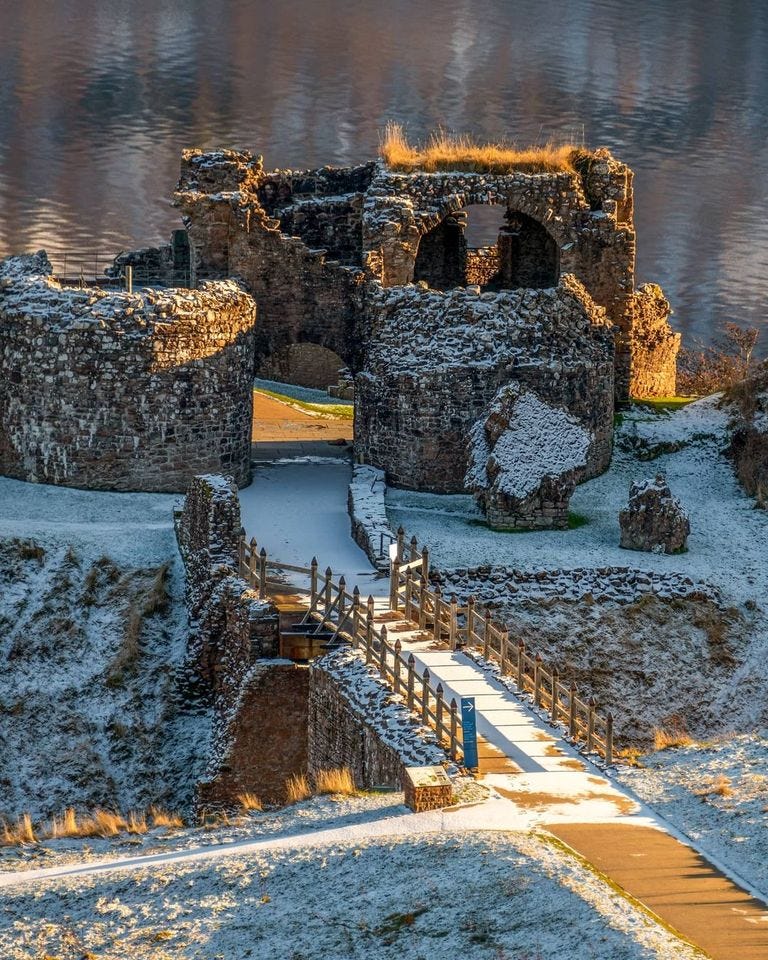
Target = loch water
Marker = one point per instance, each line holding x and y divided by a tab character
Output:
98	98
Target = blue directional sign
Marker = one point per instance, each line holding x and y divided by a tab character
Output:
469	732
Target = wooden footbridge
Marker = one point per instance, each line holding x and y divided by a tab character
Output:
323	613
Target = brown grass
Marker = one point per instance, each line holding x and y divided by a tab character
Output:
147	603
719	786
163	818
249	801
13	834
335	781
297	788
444	151
668	739
99	823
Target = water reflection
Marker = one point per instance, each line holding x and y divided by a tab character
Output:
98	97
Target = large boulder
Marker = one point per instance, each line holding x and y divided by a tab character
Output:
654	520
526	457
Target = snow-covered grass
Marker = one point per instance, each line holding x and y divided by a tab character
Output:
92	638
304	394
728	545
491	896
717	793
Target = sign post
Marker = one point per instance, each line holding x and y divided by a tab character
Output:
469	732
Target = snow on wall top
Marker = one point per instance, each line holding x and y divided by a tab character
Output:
459	327
27	290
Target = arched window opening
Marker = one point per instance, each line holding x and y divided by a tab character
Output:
442	254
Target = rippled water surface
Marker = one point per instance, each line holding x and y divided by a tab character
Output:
98	97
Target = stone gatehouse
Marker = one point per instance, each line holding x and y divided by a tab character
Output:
380	267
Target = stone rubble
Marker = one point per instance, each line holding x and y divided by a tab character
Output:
654	521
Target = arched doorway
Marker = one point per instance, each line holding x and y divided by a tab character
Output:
442	254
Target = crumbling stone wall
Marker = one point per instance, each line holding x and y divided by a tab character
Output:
652	345
436	362
118	391
355	722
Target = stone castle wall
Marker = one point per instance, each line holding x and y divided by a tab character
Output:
437	361
121	391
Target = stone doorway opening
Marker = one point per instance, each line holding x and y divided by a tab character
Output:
305	365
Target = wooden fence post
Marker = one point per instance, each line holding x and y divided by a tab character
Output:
438	595
487	635
383	654
425	698
262	574
572	711
454	729
368	638
253	562
609	739
453	625
328	586
537	681
470	622
425	564
521	666
439	712
554	705
313	584
411	679
394	584
408	592
355	613
503	644
422	605
414	548
400	543
591	726
371	606
396	667
342	591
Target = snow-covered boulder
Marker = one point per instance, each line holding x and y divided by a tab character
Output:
654	520
525	456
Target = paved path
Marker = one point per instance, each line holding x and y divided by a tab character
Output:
274	421
553	787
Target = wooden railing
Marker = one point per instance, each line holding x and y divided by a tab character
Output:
345	617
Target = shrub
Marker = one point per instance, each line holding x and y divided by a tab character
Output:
667	739
444	151
335	781
711	369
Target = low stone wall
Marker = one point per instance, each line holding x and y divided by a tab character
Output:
355	721
117	391
367	511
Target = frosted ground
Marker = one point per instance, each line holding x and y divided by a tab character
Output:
490	896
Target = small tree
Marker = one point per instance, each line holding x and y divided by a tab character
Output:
711	369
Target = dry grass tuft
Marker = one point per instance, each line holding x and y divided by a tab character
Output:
719	786
249	801
335	781
150	601
444	151
668	739
297	788
17	833
99	823
162	818
30	550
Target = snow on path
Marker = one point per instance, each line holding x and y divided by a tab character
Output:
297	510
